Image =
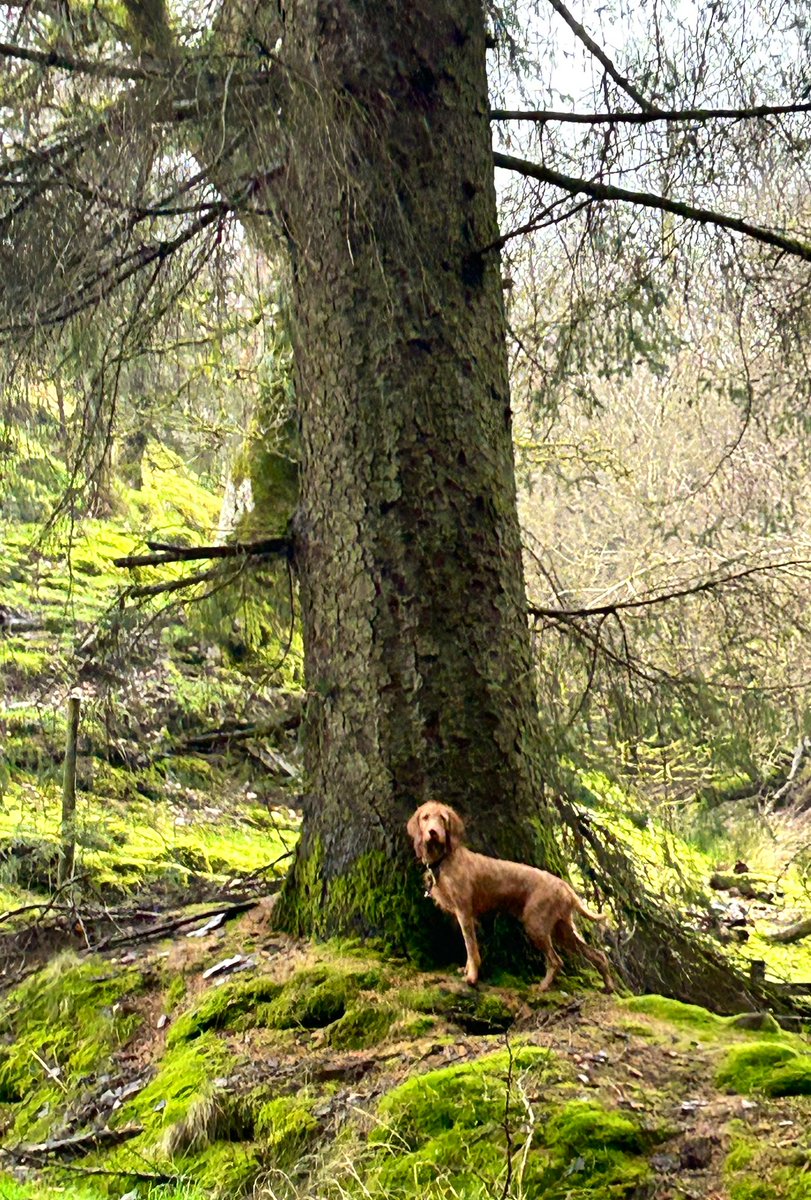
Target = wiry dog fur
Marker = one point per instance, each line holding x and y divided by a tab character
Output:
467	885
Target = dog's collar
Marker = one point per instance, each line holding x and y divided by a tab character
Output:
432	873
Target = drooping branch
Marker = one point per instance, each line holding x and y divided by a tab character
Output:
704	585
754	112
83	66
164	552
690	212
601	56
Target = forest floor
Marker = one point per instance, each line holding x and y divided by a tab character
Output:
158	1038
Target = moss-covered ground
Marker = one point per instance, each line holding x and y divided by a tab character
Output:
156	813
328	1072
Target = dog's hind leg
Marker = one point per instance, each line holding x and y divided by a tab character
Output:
536	923
570	939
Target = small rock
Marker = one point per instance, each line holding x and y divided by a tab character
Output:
748	1104
133	1195
159	1107
224	966
664	1164
211	924
163	1021
762	1022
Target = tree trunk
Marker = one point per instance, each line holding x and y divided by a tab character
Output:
418	665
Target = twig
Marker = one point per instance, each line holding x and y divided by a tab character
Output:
80	1143
601	56
705	585
232	910
506	1122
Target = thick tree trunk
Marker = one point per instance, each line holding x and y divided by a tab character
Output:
418	665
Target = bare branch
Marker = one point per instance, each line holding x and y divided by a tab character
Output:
84	66
542	116
601	56
164	552
705	585
610	191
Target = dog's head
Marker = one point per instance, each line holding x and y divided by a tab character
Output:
435	829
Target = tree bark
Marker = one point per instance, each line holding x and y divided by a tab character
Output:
418	666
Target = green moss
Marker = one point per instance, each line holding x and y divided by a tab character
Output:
584	1123
362	1025
175	993
469	1094
688	1016
187	1073
773	1068
286	1126
224	1169
61	1025
751	1172
476	1011
444	1134
313	998
223	1007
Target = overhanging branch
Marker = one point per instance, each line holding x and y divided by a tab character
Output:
609	191
83	66
165	552
695	589
755	111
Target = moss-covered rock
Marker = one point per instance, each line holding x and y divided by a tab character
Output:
475	1011
362	1025
452	1132
315	997
772	1068
224	1007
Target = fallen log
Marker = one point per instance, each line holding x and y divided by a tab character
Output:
791	933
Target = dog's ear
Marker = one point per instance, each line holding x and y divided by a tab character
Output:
454	825
413	831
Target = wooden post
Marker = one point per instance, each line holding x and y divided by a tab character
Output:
68	851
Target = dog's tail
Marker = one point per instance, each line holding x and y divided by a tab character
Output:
587	913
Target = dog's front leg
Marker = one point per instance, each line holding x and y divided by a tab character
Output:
468	927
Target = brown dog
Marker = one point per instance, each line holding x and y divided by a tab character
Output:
467	884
